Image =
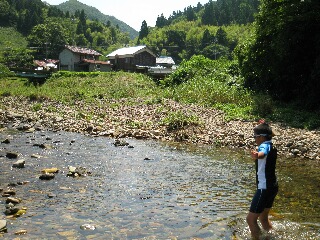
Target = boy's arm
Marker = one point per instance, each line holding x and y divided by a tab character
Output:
257	155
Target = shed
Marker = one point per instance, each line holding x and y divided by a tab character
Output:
132	58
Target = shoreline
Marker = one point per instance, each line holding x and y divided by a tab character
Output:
139	119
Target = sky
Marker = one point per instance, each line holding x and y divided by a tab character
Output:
134	12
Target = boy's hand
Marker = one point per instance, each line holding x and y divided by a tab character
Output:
254	154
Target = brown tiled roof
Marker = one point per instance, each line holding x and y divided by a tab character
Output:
83	50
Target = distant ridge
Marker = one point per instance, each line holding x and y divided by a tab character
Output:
94	14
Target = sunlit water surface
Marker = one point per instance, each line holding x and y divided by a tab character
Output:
153	190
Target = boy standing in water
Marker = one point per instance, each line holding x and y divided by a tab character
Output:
267	186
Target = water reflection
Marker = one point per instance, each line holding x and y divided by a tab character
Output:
151	191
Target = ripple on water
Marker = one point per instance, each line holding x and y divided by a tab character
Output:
153	191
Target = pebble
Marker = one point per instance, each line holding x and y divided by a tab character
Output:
19	164
13	200
47	176
87	227
12	155
212	128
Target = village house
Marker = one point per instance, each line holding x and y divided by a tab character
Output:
46	65
74	58
165	61
132	59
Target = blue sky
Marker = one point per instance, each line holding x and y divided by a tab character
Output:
133	12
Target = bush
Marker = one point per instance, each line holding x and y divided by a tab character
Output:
5	72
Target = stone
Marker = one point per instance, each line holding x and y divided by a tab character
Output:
50	170
10	192
77	171
47	176
11	211
19	164
3	226
87	227
120	143
7	141
12	155
21	232
13	200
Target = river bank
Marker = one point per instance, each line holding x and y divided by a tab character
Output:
144	120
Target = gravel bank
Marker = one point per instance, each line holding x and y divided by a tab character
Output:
139	119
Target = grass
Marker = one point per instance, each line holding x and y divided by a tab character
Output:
212	91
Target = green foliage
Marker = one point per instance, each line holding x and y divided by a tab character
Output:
178	120
36	107
5	72
210	83
221	89
283	60
49	38
21	58
10	38
144	30
94	14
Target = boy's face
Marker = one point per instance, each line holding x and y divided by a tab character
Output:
259	139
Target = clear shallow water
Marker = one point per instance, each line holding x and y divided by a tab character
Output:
151	191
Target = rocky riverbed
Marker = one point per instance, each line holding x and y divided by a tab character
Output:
140	119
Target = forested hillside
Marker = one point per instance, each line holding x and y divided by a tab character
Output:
47	30
92	13
212	30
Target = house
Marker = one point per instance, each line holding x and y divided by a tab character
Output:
165	61
165	66
132	59
46	65
87	65
74	58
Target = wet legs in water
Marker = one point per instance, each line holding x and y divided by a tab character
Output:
252	220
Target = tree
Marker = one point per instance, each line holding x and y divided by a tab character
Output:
285	55
144	30
8	16
161	21
208	14
207	39
21	58
49	38
221	37
190	14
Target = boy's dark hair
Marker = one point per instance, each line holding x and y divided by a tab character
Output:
263	129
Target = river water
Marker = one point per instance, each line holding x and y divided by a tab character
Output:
148	190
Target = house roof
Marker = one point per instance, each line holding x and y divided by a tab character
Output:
165	60
129	52
81	50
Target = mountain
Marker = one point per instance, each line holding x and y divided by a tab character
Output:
94	14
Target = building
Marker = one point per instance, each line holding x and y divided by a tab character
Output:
132	59
79	59
165	61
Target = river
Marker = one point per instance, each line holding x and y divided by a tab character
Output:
148	190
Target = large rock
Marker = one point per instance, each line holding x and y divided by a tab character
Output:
3	225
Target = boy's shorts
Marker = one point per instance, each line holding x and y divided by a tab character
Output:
263	198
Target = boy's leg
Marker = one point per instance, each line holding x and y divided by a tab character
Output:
264	219
252	220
